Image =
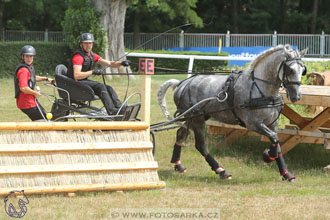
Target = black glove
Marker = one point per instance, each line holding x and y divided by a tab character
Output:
125	63
97	72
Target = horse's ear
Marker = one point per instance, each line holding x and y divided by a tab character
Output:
303	52
287	46
287	49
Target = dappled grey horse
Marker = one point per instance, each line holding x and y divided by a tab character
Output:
250	98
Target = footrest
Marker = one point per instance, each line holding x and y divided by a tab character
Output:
131	112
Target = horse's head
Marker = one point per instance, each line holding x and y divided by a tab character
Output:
290	72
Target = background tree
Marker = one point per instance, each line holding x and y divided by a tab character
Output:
33	14
82	17
113	18
2	8
314	16
157	16
238	16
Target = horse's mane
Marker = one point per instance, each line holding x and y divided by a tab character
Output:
262	56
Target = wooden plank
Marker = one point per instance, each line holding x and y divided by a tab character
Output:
307	119
294	116
306	133
86	188
224	125
233	136
74	168
312	137
111	125
66	147
291	126
312	95
311	126
146	93
306	140
218	130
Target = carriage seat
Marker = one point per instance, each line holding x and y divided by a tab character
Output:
78	92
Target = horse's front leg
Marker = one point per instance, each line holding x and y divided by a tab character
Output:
274	152
198	126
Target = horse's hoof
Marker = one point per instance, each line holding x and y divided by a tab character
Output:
265	156
225	175
180	168
292	180
289	177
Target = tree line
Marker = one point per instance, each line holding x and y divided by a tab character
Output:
208	16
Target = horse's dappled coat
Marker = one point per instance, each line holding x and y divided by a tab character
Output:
258	84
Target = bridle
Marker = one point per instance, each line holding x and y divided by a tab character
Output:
285	66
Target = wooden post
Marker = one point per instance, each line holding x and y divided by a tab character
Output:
146	67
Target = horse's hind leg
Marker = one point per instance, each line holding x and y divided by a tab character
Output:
181	136
198	126
274	152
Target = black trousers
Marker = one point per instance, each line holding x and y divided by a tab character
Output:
34	113
107	95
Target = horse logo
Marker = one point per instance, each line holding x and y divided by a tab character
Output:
11	200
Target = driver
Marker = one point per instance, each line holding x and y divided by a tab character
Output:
81	67
25	79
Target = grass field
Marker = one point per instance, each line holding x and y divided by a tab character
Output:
255	192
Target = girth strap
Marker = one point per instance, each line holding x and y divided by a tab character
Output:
229	87
263	102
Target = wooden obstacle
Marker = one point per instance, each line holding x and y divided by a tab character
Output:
232	132
312	130
315	130
68	157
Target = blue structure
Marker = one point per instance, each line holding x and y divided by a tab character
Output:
250	52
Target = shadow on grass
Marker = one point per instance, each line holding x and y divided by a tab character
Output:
198	179
249	149
243	159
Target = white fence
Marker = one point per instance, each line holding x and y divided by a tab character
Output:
198	57
318	44
55	36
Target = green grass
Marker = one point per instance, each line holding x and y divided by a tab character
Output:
255	192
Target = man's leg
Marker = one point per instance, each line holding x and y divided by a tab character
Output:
102	92
114	96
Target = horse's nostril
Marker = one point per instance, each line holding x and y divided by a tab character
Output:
292	99
295	99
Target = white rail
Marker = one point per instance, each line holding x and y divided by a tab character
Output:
200	57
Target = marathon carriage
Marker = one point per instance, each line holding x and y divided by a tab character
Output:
75	101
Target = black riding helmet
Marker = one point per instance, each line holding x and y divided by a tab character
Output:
28	50
86	37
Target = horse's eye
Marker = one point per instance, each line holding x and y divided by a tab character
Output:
305	71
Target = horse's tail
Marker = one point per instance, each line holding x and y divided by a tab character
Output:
161	95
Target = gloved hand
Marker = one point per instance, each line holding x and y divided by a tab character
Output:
97	72
126	63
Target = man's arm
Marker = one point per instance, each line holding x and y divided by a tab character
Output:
79	75
23	76
28	90
43	78
113	64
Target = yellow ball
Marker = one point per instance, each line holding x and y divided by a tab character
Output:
49	116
